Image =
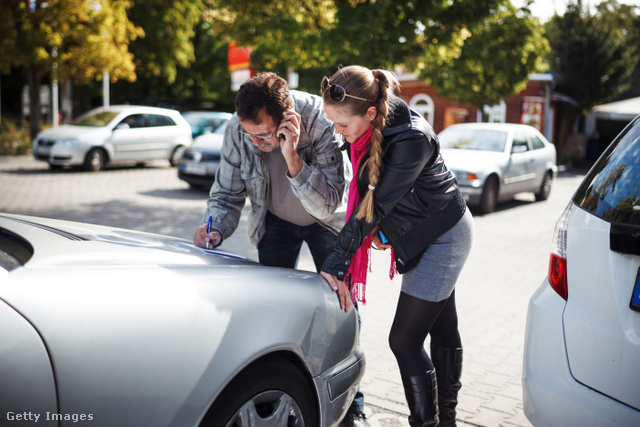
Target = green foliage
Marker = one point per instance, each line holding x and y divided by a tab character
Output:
168	34
487	61
78	39
594	55
13	139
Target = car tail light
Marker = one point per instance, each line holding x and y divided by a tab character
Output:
558	260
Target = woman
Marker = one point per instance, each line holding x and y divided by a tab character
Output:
404	190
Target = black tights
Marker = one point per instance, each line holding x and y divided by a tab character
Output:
415	319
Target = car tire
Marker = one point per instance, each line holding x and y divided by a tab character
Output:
95	160
489	196
545	188
176	154
262	394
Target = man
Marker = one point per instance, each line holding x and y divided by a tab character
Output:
279	150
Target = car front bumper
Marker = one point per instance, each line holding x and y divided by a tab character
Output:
471	194
197	173
59	156
337	387
551	395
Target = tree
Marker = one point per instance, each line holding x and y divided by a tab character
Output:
486	61
594	56
75	39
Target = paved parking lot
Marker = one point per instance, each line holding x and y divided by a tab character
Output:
507	263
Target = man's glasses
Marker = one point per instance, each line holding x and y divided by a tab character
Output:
253	135
337	93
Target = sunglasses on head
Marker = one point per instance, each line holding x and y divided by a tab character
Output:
337	93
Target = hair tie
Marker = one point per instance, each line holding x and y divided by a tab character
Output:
372	187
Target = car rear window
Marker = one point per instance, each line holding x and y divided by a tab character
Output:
610	189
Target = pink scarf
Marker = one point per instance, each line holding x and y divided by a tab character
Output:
360	262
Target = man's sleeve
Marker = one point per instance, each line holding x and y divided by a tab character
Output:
227	194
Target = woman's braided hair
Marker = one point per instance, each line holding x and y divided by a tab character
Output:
376	85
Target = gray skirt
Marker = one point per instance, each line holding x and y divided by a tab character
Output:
435	276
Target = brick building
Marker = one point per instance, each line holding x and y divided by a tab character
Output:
532	106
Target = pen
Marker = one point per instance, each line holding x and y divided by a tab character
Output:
209	229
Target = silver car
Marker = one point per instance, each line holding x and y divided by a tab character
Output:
495	161
111	327
120	133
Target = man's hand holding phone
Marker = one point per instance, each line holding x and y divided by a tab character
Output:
289	134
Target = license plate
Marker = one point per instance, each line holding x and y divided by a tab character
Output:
43	151
635	297
194	169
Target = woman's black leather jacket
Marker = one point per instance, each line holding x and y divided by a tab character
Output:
416	198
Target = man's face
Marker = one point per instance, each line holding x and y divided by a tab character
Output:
264	128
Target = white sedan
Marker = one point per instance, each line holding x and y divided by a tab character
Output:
109	327
495	161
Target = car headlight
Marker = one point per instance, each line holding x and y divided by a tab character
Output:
67	144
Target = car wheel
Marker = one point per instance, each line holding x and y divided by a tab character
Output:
94	160
274	393
545	188
489	197
177	153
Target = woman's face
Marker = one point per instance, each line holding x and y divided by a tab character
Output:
349	126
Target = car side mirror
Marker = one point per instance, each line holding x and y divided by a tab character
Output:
122	125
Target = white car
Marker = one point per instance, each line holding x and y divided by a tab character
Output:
495	161
120	133
582	339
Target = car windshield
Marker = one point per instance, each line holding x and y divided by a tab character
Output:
97	119
220	129
473	139
611	189
197	120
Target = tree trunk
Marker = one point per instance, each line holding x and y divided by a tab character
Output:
34	101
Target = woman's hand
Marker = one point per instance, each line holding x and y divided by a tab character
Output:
377	241
340	288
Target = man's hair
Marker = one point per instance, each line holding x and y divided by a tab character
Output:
266	90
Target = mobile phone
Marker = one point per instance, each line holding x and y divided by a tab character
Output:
383	237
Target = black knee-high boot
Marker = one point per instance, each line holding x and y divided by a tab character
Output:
448	364
422	396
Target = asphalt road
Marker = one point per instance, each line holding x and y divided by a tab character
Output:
507	264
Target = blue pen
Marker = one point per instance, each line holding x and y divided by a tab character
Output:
209	229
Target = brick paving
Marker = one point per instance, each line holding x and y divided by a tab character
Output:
507	264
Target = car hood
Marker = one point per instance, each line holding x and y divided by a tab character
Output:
208	142
472	160
56	243
71	131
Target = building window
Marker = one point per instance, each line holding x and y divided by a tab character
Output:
423	104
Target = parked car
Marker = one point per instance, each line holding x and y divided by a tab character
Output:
582	337
198	164
120	133
124	328
203	122
495	161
